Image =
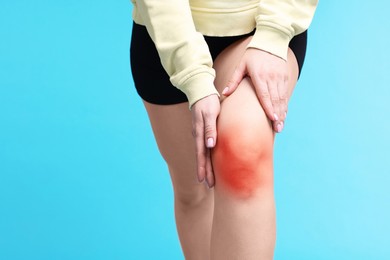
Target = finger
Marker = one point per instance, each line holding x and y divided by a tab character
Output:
278	126
264	97
283	100
235	80
200	150
210	129
209	170
201	160
274	96
286	112
282	106
210	133
204	130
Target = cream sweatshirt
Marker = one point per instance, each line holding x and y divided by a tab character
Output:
177	28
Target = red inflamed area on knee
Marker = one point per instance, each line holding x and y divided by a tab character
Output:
238	169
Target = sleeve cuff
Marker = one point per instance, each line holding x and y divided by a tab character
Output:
270	40
198	86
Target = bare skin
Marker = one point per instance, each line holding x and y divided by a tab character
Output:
244	225
194	202
236	220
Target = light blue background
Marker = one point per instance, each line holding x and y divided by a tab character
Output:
81	177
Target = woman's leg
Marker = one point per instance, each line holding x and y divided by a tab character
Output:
244	208
172	128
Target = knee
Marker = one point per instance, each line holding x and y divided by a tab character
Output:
187	199
242	158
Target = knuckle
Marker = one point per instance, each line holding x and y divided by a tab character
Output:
275	104
264	94
260	75
283	97
272	75
209	130
197	132
281	76
275	99
200	155
230	82
201	170
194	129
234	78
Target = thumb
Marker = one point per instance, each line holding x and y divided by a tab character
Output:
210	131
235	80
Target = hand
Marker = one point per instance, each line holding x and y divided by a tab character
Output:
204	120
269	77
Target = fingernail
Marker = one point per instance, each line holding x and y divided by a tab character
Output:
276	117
207	184
210	143
279	128
225	90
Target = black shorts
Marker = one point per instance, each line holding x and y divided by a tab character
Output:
151	80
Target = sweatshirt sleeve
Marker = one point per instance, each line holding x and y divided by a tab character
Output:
183	51
277	22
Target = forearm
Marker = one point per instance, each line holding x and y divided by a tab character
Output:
183	51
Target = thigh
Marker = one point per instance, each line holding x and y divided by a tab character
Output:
242	117
242	123
172	128
168	114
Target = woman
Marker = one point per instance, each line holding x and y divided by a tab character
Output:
250	51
